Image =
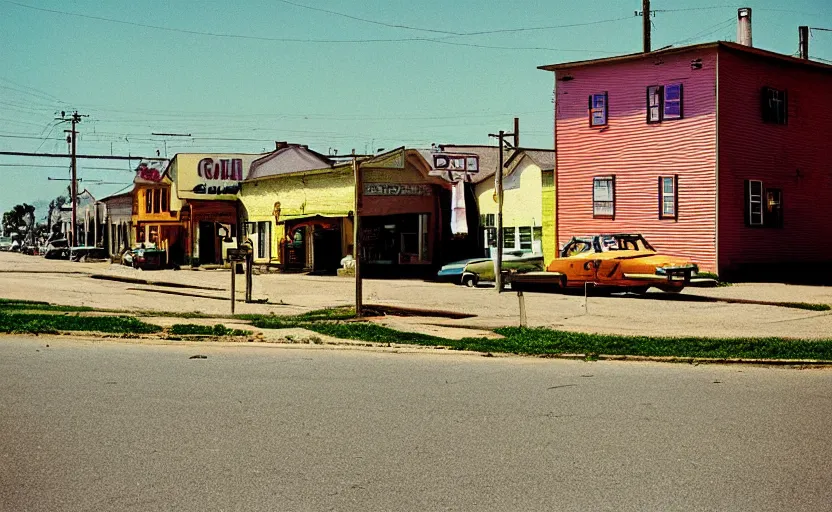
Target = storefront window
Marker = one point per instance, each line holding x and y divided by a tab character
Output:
525	238
508	238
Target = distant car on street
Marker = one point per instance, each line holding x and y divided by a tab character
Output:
471	272
5	243
57	250
145	258
614	261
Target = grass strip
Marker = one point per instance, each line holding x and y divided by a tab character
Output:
542	341
50	324
206	330
29	305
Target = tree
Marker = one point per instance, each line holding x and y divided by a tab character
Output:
20	215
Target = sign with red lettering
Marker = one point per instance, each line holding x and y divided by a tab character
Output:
151	171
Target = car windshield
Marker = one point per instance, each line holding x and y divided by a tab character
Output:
622	243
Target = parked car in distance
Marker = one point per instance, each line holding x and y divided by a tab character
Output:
145	258
471	272
57	250
5	243
614	261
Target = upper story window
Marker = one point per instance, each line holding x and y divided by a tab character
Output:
598	110
156	200
664	103
603	197
775	106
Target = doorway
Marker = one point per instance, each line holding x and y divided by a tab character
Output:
326	245
208	244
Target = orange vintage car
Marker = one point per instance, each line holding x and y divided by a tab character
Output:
618	261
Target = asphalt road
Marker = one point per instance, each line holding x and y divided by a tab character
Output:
103	425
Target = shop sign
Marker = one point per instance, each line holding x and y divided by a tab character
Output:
396	189
219	177
151	170
456	162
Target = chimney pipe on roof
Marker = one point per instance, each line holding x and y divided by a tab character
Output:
280	144
744	26
804	42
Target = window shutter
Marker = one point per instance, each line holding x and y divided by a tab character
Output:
764	105
661	205
747	202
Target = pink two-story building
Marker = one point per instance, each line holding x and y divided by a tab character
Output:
719	152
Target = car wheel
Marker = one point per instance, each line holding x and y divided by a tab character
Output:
470	280
675	289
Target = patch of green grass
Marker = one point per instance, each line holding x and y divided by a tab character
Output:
206	330
28	305
715	277
51	324
541	341
282	322
804	305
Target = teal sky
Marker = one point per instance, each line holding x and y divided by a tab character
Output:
387	73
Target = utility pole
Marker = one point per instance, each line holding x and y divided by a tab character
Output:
804	42
645	20
74	118
498	187
356	237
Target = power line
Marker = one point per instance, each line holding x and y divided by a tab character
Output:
93	157
48	166
365	20
329	41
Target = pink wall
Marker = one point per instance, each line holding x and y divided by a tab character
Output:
751	149
638	153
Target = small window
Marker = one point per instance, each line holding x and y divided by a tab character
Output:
654	104
157	200
773	216
775	106
165	197
664	103
598	110
525	238
148	201
603	197
753	203
153	234
487	220
508	238
668	196
672	102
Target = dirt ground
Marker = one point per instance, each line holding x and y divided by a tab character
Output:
695	312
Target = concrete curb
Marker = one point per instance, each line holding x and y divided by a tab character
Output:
691	360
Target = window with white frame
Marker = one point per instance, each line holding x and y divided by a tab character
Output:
523	238
754	203
763	206
664	103
668	197
603	197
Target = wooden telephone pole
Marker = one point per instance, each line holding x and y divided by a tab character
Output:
74	118
498	187
356	237
645	20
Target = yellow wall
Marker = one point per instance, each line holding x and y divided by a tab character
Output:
549	235
326	193
522	206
